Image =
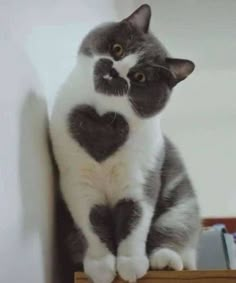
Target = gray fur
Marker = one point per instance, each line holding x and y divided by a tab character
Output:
146	99
115	86
172	237
100	136
126	217
101	219
140	18
71	244
113	225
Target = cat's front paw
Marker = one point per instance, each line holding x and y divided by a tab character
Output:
166	259
100	270
132	268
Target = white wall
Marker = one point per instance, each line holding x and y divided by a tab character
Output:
26	190
25	173
38	44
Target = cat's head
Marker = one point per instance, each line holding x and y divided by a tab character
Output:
129	61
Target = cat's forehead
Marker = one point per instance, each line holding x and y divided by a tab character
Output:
100	39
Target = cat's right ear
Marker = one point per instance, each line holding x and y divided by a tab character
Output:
180	68
140	18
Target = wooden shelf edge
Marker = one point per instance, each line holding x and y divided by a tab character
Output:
200	274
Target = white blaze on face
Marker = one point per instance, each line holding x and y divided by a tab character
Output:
123	66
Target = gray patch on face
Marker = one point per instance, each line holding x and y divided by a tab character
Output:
127	214
100	136
101	39
146	98
115	85
102	223
150	97
173	237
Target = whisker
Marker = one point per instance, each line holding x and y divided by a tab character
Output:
115	114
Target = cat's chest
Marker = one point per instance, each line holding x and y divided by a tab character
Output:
111	178
118	152
101	136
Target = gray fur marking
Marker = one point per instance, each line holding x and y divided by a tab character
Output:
100	136
112	225
103	225
127	213
172	237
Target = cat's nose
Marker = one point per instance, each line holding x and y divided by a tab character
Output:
113	73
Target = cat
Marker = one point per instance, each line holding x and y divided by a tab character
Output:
131	202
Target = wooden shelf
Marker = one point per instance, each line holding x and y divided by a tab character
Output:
211	276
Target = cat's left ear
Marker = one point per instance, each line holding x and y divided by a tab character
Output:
180	68
140	18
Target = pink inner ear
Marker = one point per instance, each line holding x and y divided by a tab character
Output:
140	18
186	69
180	68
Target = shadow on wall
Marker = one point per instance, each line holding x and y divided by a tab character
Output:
36	179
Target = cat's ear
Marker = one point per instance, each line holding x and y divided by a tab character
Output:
180	68
140	18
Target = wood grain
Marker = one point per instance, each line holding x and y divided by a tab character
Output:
216	276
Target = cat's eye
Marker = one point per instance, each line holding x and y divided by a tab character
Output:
117	50
139	77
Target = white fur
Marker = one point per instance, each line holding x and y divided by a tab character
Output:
100	270
163	258
84	182
108	77
132	260
132	268
123	66
189	256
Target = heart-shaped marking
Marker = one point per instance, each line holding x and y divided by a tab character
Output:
100	136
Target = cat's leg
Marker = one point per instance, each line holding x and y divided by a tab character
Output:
176	225
132	222
87	206
173	237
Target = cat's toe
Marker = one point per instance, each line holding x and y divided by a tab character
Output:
166	258
132	268
100	270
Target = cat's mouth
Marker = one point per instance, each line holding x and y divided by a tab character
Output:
107	80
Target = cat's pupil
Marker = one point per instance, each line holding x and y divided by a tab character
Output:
140	77
117	50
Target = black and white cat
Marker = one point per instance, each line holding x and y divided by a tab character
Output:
122	180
